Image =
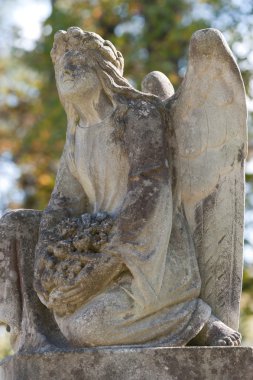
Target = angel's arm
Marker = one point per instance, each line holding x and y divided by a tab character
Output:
67	200
148	180
142	228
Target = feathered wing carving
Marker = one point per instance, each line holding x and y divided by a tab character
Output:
208	115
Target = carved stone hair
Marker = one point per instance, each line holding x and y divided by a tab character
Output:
86	41
102	56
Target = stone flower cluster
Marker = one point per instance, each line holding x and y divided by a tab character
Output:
75	243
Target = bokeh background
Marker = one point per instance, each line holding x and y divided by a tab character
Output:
152	35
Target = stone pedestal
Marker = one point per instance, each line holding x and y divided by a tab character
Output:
111	363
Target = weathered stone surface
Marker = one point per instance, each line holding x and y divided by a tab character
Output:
209	118
30	323
224	363
167	170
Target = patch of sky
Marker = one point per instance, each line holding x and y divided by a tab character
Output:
248	236
133	27
249	167
47	30
143	54
246	6
200	11
250	101
21	22
182	67
11	100
9	175
248	254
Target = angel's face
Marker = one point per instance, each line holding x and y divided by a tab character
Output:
75	75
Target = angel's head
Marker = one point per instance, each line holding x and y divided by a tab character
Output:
86	65
83	62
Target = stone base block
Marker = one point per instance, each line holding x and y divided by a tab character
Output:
112	363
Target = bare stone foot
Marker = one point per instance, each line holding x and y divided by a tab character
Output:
216	333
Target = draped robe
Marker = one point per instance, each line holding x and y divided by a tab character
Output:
123	169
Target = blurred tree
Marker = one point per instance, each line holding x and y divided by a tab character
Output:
246	316
5	348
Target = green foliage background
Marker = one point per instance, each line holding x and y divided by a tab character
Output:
152	35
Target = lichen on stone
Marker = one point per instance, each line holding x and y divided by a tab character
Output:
74	243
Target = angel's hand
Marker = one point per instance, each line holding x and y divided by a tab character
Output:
60	249
100	270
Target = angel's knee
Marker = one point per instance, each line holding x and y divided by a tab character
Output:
18	238
20	218
19	225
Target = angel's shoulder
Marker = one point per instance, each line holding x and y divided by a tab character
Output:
143	115
145	107
142	132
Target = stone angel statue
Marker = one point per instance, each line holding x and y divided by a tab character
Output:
141	242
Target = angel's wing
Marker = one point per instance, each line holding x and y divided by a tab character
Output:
208	114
